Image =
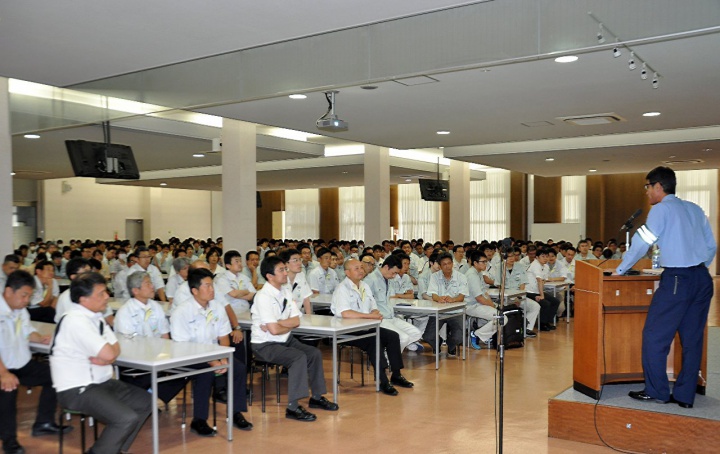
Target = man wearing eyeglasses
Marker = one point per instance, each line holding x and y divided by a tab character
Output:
274	315
681	303
143	265
479	303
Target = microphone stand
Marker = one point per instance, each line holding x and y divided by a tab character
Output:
501	347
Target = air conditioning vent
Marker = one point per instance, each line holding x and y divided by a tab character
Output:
592	120
683	161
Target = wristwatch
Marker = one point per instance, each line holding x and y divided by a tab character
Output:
237	328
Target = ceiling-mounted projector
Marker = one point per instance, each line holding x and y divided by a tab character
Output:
330	121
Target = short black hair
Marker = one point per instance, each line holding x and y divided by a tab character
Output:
42	264
196	276
248	254
665	176
74	265
11	258
322	251
443	256
268	265
458	246
287	253
19	279
229	255
476	256
393	261
84	285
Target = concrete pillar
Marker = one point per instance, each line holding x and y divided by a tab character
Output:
377	194
239	184
459	201
6	181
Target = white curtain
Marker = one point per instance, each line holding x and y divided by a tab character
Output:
352	213
302	214
490	206
573	198
700	187
417	218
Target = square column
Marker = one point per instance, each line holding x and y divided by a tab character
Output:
6	181
377	194
459	201
239	185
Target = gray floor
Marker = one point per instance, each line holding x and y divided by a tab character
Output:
707	407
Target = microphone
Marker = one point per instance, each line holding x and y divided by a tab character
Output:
607	255
628	223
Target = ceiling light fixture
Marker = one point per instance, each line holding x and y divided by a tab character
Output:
631	62
408	180
601	35
655	80
651	114
31	136
643	71
566	59
297	96
616	51
12	174
592	170
198	155
443	133
549	159
163	184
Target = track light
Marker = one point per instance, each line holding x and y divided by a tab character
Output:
631	62
655	80
643	71
616	52
601	35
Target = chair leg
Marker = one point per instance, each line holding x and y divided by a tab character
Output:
95	427
82	433
339	361
62	415
262	386
362	369
352	362
277	382
214	402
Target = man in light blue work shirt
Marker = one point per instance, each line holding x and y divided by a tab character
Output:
680	305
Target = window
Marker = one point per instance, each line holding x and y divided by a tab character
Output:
352	212
417	217
302	214
573	199
490	206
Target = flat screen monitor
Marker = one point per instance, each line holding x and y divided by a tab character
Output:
101	160
434	190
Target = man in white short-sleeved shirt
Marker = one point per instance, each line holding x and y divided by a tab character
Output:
353	298
44	298
296	282
181	267
81	359
252	269
274	315
233	286
202	319
17	366
143	264
446	286
537	274
479	303
75	267
322	279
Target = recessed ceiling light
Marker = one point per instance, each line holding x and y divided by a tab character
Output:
369	87
592	170
408	180
651	114
549	159
12	174
706	149
441	148
345	173
163	184
566	59
198	155
443	133
31	136
297	96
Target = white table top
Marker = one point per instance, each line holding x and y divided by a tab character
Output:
495	293
423	306
63	282
556	284
320	324
149	352
321	300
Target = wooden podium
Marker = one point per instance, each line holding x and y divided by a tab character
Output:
610	311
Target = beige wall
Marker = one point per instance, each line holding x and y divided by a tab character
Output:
97	211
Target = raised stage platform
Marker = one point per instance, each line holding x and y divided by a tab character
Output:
626	424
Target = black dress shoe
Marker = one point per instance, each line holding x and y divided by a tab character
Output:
12	447
544	327
388	389
401	381
221	396
48	428
644	397
323	403
552	327
241	423
200	427
300	414
681	404
530	333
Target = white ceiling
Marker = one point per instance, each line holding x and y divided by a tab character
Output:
483	107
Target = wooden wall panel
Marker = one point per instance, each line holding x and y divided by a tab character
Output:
624	194
595	206
548	199
518	206
394	207
445	221
329	199
271	201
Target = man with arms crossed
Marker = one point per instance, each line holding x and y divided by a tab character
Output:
681	303
81	360
274	315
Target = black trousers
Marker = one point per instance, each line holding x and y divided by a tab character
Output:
42	314
122	407
390	344
454	333
204	384
167	390
548	307
31	374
